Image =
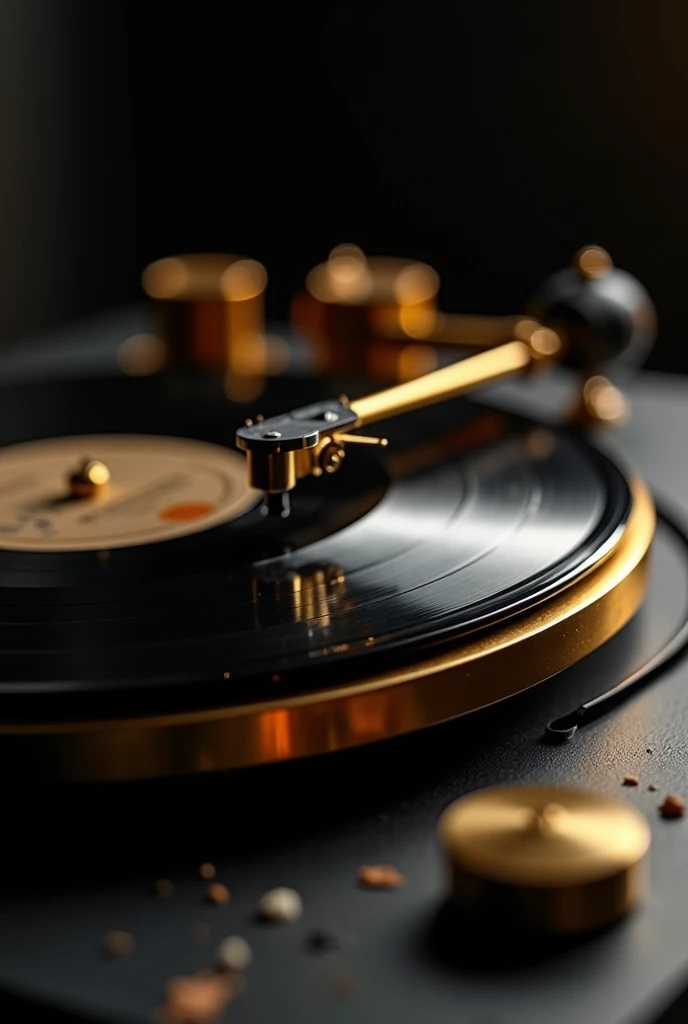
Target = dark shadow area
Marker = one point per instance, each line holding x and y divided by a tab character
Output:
279	131
492	947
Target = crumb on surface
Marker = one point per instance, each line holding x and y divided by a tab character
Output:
379	876
281	904
673	807
233	954
119	943
630	780
652	788
163	888
207	871
217	893
198	999
201	932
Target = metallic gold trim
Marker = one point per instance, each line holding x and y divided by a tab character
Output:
512	658
440	385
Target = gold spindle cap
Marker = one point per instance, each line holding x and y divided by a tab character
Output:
545	858
90	480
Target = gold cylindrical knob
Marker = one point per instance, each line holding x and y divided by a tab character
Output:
350	301
544	858
210	308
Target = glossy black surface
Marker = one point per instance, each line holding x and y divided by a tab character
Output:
406	547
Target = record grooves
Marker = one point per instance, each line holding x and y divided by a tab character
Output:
397	594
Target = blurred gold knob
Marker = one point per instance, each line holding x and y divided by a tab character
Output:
211	310
352	301
545	858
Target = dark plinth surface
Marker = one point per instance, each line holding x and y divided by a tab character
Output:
79	861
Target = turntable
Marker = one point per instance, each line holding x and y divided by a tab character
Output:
274	639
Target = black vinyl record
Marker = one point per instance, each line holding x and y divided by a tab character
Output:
466	518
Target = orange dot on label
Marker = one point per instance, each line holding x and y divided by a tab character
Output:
186	513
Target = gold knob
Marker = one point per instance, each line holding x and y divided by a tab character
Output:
351	300
211	311
90	480
544	858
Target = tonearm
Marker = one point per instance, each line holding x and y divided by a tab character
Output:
584	317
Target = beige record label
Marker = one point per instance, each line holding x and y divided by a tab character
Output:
157	488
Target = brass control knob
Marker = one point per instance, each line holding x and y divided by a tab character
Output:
210	309
352	301
544	858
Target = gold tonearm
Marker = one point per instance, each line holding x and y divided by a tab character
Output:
587	319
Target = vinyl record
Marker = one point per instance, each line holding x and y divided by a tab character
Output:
167	624
445	532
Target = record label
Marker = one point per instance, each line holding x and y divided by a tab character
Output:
159	488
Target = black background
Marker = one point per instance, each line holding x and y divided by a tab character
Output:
491	139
